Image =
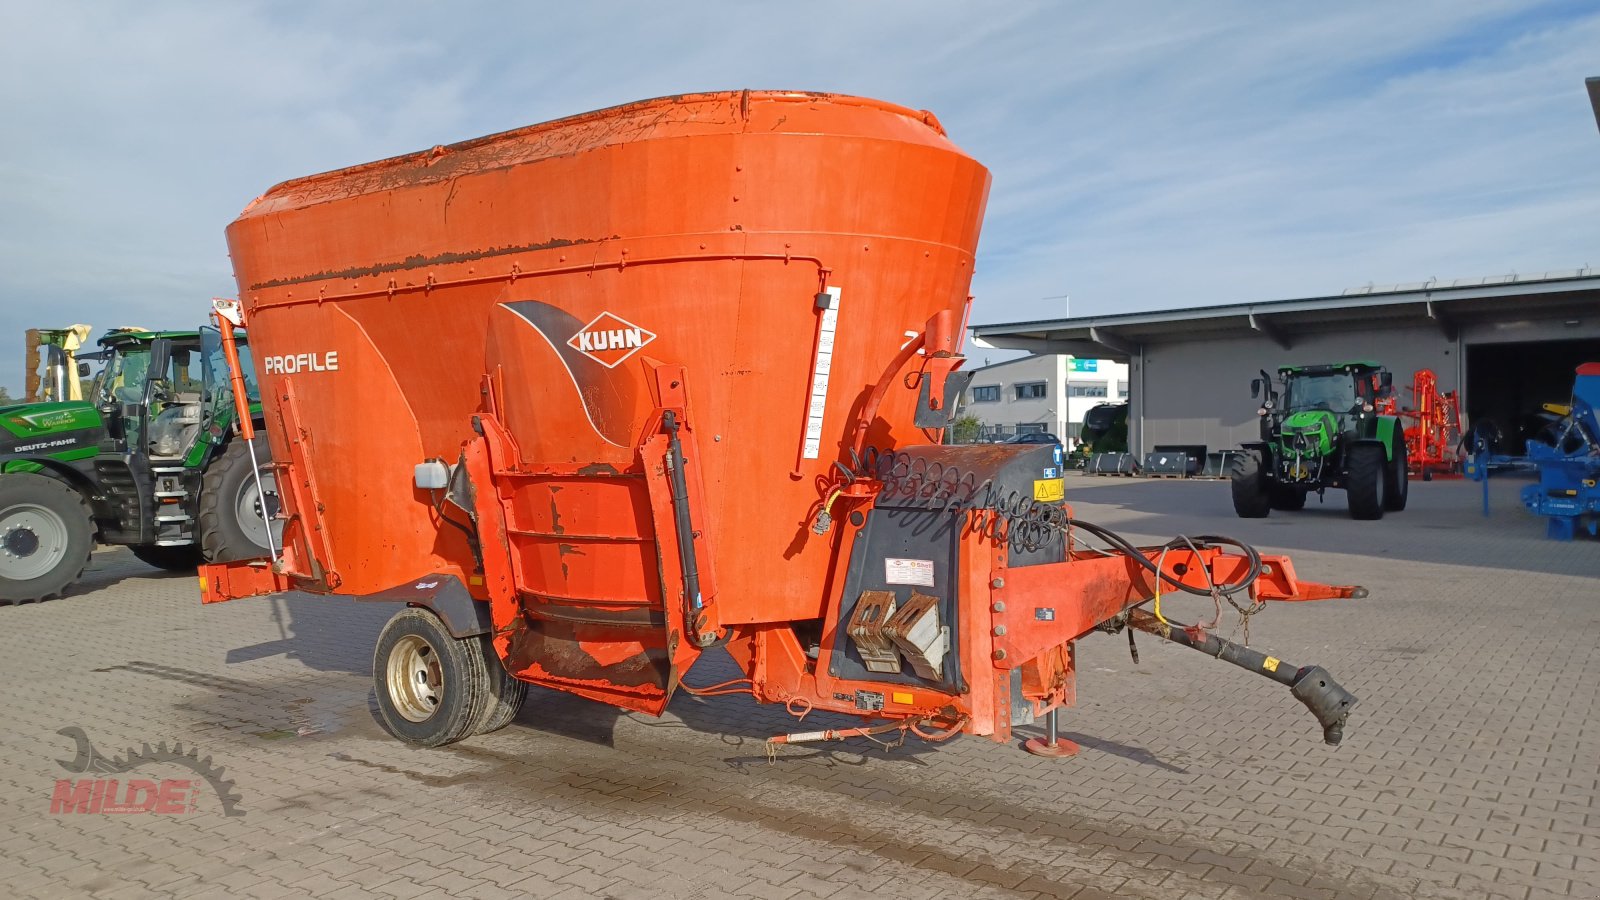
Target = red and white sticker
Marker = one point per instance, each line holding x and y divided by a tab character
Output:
610	339
908	571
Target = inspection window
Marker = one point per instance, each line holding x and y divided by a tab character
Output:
989	393
1086	390
1033	390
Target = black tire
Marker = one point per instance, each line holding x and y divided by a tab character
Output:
223	537
432	689
506	692
1363	484
1287	497
1397	478
1251	499
184	558
46	536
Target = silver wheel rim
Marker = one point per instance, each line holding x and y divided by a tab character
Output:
33	541
253	519
416	678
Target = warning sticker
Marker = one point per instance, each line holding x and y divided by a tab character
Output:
1049	490
908	571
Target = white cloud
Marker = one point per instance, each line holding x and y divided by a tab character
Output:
1144	155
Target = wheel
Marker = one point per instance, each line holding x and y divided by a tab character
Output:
506	692
46	536
1249	481
1363	484
1287	497
185	558
434	689
233	524
1397	478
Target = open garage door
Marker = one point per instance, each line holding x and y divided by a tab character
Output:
1509	383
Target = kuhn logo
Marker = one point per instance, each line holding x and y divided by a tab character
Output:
303	362
608	340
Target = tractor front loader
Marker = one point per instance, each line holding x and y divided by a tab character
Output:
1324	430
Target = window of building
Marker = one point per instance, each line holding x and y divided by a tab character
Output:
1086	390
1033	390
1122	390
1030	428
988	393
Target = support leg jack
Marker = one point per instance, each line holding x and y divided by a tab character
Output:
1052	744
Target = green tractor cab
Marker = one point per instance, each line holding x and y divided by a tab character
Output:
147	459
1323	430
1105	430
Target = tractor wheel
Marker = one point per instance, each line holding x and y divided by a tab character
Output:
1287	497
184	558
233	522
1397	479
1364	483
1251	499
46	536
433	689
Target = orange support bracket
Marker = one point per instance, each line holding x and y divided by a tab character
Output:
1279	582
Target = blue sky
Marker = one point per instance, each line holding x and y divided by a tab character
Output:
1158	154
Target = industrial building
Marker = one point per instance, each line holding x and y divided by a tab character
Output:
1046	393
1509	344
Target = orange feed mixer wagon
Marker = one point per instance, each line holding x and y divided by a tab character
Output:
592	398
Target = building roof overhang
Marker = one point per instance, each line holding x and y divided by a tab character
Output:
1442	305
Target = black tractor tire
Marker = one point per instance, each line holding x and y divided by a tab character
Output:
432	689
46	536
1397	478
223	537
1288	498
183	558
506	692
1252	498
1363	484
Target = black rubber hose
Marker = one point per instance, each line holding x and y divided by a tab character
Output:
1133	552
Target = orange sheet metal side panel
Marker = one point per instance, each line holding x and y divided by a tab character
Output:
693	230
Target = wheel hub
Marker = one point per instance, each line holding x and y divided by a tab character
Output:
20	541
415	677
33	541
256	511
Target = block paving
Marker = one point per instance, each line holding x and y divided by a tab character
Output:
1471	768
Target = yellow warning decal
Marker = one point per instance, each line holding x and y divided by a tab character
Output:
475	580
1049	490
202	582
903	697
1270	664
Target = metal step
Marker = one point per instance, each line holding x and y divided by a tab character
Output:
181	517
175	542
172	493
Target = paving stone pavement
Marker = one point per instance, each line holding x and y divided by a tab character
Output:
1470	769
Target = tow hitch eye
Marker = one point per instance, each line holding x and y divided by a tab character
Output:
1326	699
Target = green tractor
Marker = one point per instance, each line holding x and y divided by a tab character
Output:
1105	430
1323	431
147	459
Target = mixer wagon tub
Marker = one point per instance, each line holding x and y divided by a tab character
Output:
594	397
